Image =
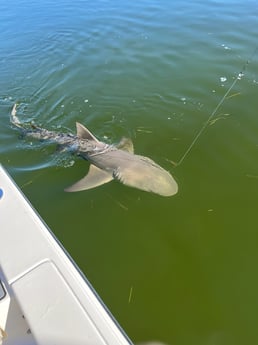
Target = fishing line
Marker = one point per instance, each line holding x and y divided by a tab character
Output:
206	123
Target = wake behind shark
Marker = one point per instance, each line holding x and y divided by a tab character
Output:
108	162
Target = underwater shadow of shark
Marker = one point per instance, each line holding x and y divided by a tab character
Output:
108	162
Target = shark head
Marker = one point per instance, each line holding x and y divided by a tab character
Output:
143	173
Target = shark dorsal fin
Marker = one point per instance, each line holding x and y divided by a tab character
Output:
84	133
125	144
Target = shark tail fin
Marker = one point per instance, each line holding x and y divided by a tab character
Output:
14	118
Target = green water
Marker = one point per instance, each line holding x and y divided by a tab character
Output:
182	270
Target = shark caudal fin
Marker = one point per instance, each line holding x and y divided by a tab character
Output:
95	177
14	118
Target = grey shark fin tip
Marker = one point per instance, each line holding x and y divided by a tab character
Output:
84	133
95	177
125	144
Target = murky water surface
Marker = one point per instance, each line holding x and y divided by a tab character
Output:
182	270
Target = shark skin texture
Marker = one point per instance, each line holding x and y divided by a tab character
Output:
107	162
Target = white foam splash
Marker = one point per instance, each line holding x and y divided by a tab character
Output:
223	79
225	47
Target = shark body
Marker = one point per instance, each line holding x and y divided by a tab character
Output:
108	162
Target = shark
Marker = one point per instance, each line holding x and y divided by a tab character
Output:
107	161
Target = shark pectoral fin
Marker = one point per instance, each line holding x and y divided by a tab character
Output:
95	177
84	133
125	144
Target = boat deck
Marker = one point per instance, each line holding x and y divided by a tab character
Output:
44	298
